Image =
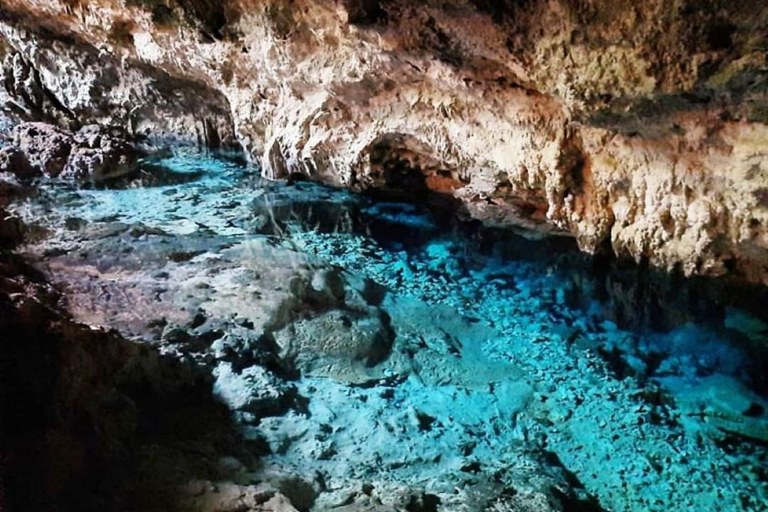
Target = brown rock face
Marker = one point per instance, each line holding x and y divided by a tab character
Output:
639	128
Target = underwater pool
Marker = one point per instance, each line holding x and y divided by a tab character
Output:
388	356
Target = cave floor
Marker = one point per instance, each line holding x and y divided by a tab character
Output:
388	364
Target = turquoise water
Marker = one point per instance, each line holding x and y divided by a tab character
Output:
650	388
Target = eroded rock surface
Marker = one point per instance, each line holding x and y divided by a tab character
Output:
73	82
45	148
92	155
638	128
91	421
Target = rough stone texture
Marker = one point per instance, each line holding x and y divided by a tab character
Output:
99	155
68	81
94	153
14	161
45	147
637	127
496	383
93	422
392	397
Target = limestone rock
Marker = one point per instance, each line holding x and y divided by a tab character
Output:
94	154
72	83
14	161
253	390
99	155
639	129
46	147
339	344
724	403
206	496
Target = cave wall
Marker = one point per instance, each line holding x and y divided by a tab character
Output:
640	128
62	79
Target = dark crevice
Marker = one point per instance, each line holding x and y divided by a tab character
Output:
720	36
500	10
365	12
424	503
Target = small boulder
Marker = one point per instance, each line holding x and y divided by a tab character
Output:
100	154
252	390
345	345
14	161
46	147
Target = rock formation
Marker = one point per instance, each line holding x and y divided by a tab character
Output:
93	154
639	128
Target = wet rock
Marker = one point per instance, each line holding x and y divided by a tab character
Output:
252	390
100	154
725	404
93	154
466	393
753	328
14	161
46	147
350	344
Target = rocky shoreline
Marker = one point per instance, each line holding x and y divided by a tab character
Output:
441	380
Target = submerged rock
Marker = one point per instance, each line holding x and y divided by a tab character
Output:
725	405
444	385
252	390
341	344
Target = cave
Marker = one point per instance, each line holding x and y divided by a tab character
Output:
383	256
